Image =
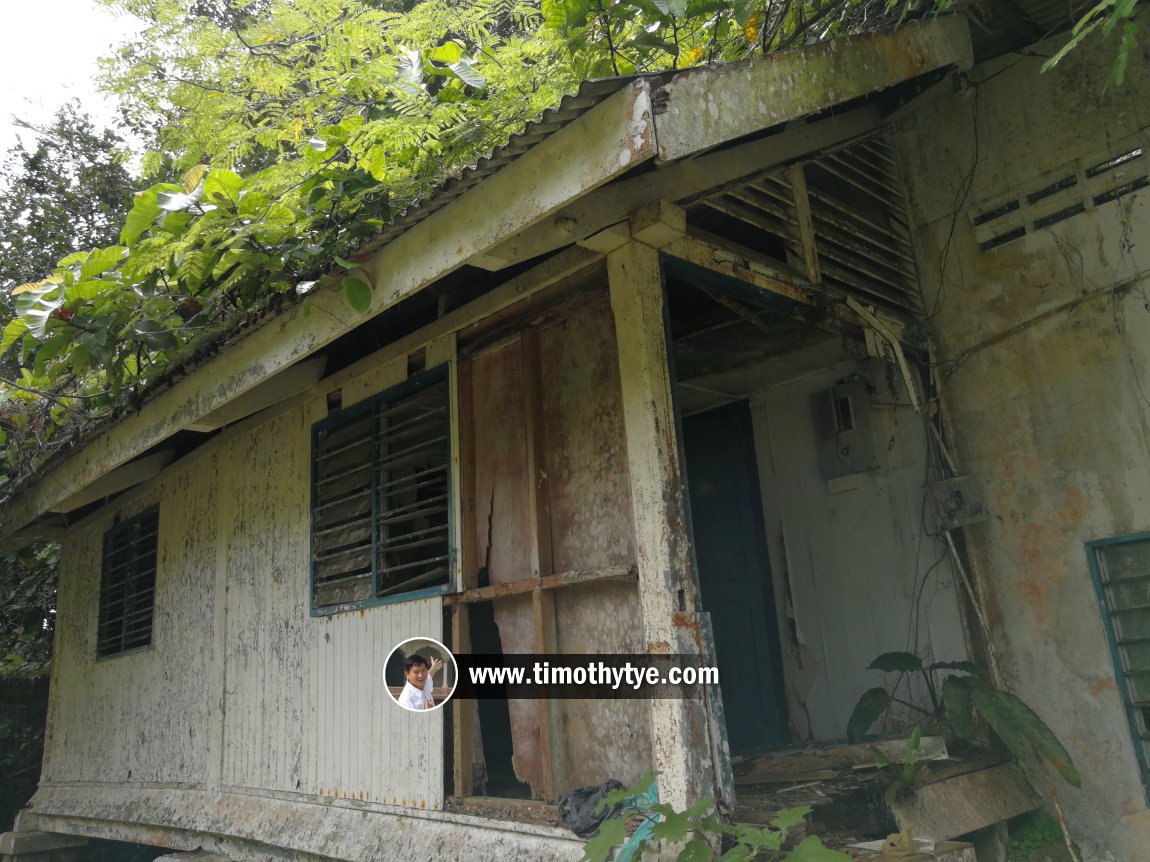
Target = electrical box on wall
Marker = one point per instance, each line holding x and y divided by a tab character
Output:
957	502
843	427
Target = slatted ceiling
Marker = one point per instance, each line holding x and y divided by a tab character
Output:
128	585
860	226
857	212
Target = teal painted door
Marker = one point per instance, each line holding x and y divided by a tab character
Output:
734	574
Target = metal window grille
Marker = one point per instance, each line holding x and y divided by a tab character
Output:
128	584
1121	569
381	496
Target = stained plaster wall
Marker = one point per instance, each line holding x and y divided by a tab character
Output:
854	570
1045	380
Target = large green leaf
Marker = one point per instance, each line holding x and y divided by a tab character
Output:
1019	727
957	702
612	833
100	260
13	331
896	662
873	703
223	187
696	850
468	72
145	209
811	849
36	307
88	290
358	293
964	666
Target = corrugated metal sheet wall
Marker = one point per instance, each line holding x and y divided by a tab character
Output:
244	690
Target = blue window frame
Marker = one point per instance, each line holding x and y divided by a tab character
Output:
381	497
1121	571
128	584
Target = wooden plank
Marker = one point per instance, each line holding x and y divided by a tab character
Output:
744	266
291	381
609	139
548	582
667	592
506	526
710	106
963	803
542	606
464	713
128	476
685	182
798	179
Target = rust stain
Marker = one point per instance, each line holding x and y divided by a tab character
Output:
688	622
361	612
1032	593
1100	684
423	803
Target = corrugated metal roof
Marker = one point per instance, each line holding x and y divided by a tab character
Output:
590	94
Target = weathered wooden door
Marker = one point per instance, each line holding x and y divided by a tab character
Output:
734	573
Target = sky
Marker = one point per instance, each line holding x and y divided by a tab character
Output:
50	56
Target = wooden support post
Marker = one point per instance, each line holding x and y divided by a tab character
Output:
542	602
798	178
464	712
667	592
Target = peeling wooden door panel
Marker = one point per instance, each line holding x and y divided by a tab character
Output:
505	528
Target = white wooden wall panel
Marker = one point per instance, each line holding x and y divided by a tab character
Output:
140	717
264	523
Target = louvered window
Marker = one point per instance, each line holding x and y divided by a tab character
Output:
128	584
1121	570
381	497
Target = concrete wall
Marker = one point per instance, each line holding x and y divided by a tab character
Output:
1044	348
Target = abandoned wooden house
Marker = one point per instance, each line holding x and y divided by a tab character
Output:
780	364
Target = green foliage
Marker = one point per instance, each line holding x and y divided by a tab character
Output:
629	36
902	774
27	602
699	831
1105	18
1031	832
67	190
953	706
286	132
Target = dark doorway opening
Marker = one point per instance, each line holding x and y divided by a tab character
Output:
734	574
726	339
498	775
